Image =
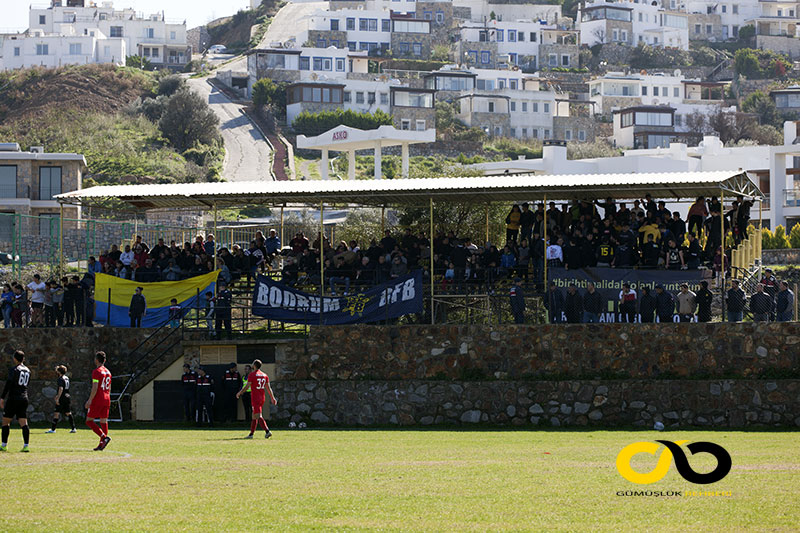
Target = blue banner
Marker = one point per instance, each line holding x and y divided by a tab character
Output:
276	301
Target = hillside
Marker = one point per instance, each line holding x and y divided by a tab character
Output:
235	32
94	110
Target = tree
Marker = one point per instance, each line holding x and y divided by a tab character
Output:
138	62
187	120
171	84
747	32
745	63
766	239
779	239
441	52
268	93
762	105
697	123
794	236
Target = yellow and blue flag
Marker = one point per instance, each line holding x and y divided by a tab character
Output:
112	307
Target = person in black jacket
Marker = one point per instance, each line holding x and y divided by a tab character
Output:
573	305
647	305
665	304
704	297
693	253
784	303
138	308
555	304
517	297
735	300
593	304
760	305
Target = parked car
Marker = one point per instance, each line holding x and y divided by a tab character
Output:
217	49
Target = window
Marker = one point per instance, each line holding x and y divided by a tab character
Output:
735	31
386	25
411	26
552	60
568	135
49	182
155	52
173	36
279	61
485	85
440	17
697	29
491	107
724	8
351	24
546	107
614	35
533	37
498	131
486	57
334	24
373	24
501	83
384	98
16	51
512	36
624	36
472	56
678	120
334	43
321	43
384	48
546	133
640	17
500	36
304	63
483	37
676	92
149	33
655	91
644	90
351	45
42	50
359	97
524	108
370	98
513	132
48	224
644	118
513	106
536	107
512	84
146	52
419	125
521	38
362	24
709	29
115	31
8	181
565	60
417	49
403	48
405	124
524	133
535	133
428	15
735	9
413	99
340	64
626	91
581	135
347	97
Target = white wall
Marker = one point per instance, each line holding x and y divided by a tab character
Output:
92	50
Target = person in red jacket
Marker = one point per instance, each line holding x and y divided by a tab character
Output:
258	383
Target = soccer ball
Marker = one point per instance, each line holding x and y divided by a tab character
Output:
658	426
302	425
292	425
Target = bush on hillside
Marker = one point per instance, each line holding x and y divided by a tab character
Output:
187	121
760	64
171	84
316	123
794	236
268	93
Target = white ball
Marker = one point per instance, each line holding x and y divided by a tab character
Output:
658	426
302	425
292	425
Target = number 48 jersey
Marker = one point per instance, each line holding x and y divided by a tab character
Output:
102	377
258	387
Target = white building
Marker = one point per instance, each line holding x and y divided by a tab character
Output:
633	22
306	64
778	27
364	29
160	41
37	49
733	14
517	41
481	10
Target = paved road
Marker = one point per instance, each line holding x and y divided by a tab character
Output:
247	153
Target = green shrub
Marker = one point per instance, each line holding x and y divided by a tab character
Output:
171	84
779	239
310	124
268	93
766	239
794	236
187	120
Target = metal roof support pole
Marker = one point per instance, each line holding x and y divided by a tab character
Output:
487	226
321	257
383	219
378	162
216	285
61	241
282	241
324	165
757	247
430	238
546	288
404	159
722	255
351	164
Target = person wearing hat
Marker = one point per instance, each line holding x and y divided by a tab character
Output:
231	382
704	297
735	302
517	297
784	303
189	385
138	308
205	397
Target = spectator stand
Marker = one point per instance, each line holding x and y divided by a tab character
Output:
427	192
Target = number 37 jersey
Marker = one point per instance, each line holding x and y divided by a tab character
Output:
102	377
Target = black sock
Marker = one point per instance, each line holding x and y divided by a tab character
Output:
55	423
6	431
71	421
26	433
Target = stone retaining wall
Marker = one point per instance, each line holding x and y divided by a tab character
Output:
728	403
787	256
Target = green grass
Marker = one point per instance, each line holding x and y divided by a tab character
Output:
304	480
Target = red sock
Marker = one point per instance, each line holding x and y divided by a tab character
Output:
262	424
104	426
95	428
253	423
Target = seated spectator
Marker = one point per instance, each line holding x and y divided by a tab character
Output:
127	256
398	268
94	266
290	272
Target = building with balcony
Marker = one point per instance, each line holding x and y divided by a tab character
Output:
787	100
633	23
37	49
715	21
161	41
29	181
353	29
778	27
306	64
516	43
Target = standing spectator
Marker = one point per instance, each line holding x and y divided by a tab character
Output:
246	391
222	311
49	312
175	314
784	303
678	227
20	306
665	304
272	244
693	253
687	303
647	306
770	283
697	213
736	301
593	305
673	257
74	301
761	305
517	296
513	224
7	304
189	380
704	299
37	288
58	302
231	382
555	254
627	303
573	305
650	252
205	399
555	304
526	221
138	308
209	308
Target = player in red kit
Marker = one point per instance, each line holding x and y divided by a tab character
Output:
99	402
258	382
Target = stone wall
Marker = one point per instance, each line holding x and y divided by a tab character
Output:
413	114
636	351
571	50
783	45
726	403
425	40
328	35
574	124
610	103
789	256
704	19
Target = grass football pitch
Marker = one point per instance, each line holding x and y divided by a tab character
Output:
440	480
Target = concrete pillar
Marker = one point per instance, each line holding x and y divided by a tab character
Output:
777	179
324	165
404	158
378	172
351	165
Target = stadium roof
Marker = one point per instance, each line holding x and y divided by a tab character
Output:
483	189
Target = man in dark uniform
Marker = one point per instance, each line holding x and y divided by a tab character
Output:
248	408
222	310
189	380
232	384
14	401
63	400
205	400
518	301
704	298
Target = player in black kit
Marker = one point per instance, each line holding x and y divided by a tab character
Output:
62	400
14	400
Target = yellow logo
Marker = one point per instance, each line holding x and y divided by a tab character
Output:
672	450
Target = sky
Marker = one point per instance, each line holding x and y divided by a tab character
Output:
195	12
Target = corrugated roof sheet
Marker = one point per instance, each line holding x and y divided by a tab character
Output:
512	188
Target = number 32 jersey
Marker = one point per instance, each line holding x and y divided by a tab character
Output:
102	377
258	387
